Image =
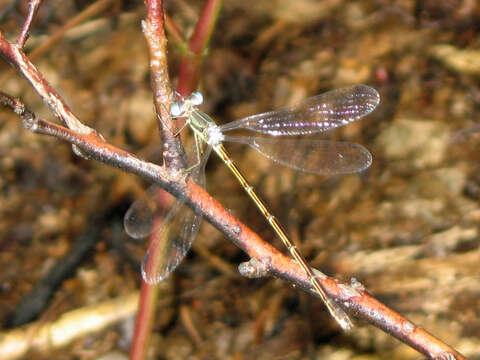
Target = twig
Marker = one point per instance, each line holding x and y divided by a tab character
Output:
17	58
90	11
97	149
175	34
32	11
154	31
190	64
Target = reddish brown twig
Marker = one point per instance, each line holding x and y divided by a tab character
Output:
32	11
90	11
175	34
154	31
191	62
17	58
353	299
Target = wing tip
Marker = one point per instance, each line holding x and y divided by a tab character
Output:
152	279
364	161
369	93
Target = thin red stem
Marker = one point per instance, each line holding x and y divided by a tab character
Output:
33	6
144	321
175	33
191	63
205	25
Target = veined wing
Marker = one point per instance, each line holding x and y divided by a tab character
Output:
145	214
319	113
171	238
315	156
171	234
172	242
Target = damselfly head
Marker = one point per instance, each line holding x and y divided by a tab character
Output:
177	109
196	98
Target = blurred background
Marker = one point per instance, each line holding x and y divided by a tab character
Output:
407	228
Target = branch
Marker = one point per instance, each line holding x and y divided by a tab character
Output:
17	58
33	6
154	31
191	62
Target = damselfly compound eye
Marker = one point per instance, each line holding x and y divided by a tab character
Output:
177	109
196	98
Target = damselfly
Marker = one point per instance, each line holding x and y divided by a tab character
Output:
316	114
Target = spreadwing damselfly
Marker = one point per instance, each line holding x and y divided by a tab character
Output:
316	114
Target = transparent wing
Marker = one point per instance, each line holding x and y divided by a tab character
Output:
171	235
315	156
141	219
148	216
319	113
169	245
